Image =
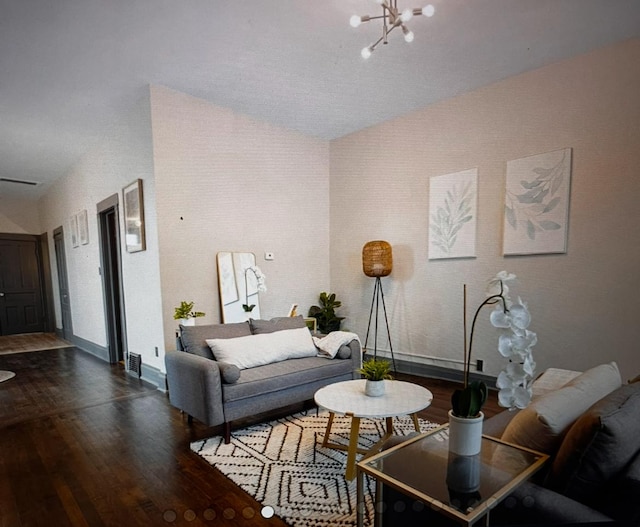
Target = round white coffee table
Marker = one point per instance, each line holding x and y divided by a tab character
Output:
348	398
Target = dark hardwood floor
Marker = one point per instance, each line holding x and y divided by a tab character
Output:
84	444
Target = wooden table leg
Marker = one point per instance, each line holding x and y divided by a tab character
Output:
325	439
353	448
416	422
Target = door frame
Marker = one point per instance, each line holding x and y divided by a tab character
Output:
114	306
66	330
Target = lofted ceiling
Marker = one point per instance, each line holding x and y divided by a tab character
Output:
70	68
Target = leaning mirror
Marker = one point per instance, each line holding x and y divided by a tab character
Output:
238	286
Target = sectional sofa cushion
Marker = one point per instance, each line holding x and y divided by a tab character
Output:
600	445
542	425
259	326
194	337
265	348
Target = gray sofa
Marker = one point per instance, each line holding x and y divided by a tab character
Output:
218	392
590	426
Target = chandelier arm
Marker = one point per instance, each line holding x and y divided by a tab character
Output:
373	46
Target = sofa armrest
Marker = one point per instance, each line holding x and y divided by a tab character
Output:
356	357
195	386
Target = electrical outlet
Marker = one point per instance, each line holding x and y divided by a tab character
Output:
156	351
479	364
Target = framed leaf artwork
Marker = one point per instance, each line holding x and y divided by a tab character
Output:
536	210
453	202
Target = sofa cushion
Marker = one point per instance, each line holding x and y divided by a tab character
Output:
259	326
281	376
599	446
543	423
257	350
194	337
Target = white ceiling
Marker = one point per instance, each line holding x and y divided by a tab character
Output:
69	68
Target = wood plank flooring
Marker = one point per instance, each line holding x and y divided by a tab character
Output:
84	444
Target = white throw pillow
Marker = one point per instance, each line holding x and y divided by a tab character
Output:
542	424
257	350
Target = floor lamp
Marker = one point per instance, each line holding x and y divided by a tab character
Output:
377	261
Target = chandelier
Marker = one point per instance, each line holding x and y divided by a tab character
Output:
392	18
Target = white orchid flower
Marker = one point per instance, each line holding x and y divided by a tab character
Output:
519	315
499	318
503	277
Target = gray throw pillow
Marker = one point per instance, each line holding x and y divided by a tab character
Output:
598	446
230	373
194	337
259	326
344	352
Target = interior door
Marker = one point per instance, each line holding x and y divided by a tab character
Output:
112	279
63	284
21	309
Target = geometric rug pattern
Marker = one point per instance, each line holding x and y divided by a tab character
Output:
283	465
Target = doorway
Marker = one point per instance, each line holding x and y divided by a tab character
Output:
108	222
63	284
21	295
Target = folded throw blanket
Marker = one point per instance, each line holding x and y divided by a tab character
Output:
328	346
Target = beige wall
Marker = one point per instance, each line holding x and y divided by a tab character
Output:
19	216
226	182
584	303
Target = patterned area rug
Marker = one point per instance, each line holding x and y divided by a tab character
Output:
282	464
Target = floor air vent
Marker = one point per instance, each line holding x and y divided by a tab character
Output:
135	364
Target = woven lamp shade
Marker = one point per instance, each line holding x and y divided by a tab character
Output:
377	259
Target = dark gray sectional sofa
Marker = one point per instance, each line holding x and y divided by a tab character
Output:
216	393
594	473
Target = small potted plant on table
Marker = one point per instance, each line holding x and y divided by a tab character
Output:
375	372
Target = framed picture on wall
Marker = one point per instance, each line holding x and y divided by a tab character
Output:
83	227
134	217
73	224
536	210
452	215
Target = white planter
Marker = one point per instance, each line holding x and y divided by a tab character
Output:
187	321
465	434
374	388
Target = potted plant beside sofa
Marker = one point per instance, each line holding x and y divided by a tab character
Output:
325	313
185	313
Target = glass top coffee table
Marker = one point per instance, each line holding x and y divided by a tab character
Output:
348	398
463	488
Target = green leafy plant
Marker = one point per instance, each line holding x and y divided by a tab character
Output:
468	402
376	370
185	310
325	313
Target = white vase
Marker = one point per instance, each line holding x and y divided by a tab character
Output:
465	434
374	388
188	321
